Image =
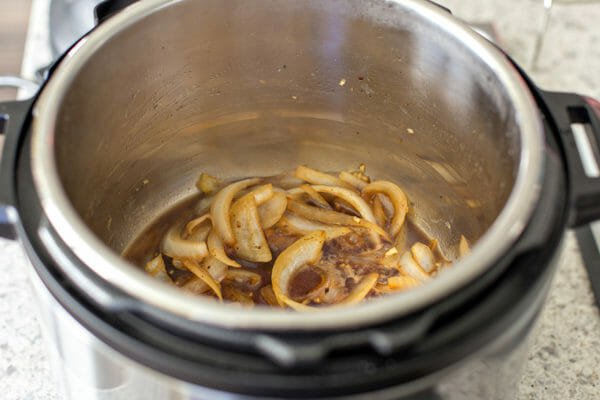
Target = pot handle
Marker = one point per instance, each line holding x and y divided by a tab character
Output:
13	115
577	122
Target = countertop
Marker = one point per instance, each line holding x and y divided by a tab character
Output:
565	353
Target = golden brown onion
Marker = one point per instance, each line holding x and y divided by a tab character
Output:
268	296
156	268
271	211
195	223
250	279
250	241
306	250
463	247
303	226
333	217
174	246
410	267
261	194
361	290
398	199
203	275
402	282
423	256
352	180
350	197
316	198
207	184
219	209
217	249
318	178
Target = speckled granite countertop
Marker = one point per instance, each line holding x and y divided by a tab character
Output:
564	359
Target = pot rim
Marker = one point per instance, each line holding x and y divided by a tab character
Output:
111	268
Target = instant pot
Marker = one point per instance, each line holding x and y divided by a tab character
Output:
164	89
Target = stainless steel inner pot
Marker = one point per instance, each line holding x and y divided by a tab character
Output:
168	89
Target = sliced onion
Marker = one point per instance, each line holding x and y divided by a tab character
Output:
195	223
216	249
463	246
271	211
285	181
316	198
318	178
203	275
333	217
423	256
219	209
200	234
207	184
410	267
250	279
261	194
215	268
402	282
174	246
156	268
398	199
237	296
351	198
203	205
352	180
361	290
250	241
306	250
268	296
378	212
304	226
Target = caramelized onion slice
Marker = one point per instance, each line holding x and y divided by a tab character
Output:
319	178
220	206
174	246
423	256
378	212
352	180
398	199
402	282
261	193
316	198
361	290
463	246
350	197
306	250
216	249
268	296
238	296
156	268
191	226
203	275
303	226
250	241
250	279
203	205
271	211
410	267
333	217
207	184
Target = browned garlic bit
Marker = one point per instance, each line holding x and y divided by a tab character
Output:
302	240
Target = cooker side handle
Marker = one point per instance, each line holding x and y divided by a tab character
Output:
13	117
577	123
